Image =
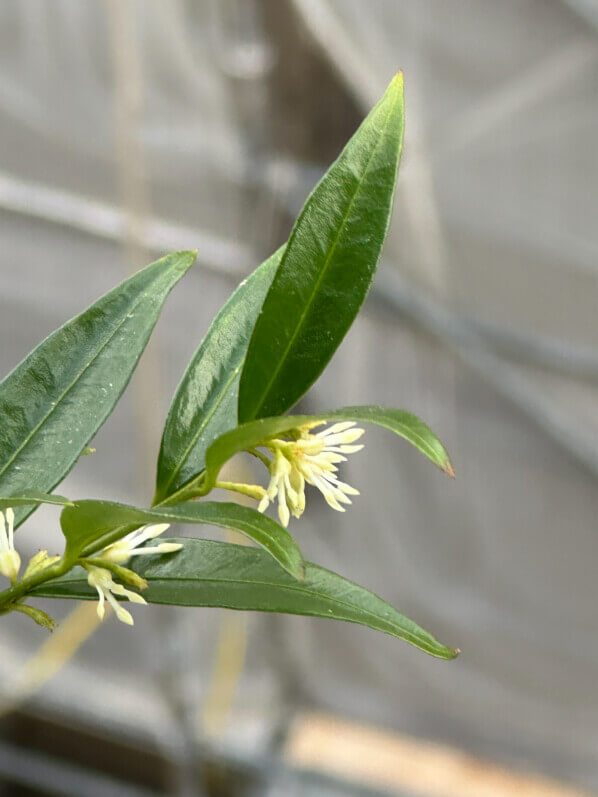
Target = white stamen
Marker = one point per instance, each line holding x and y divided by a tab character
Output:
10	519
107	588
3	537
121	550
10	561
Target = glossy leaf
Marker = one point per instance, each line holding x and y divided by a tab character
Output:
208	573
250	435
205	403
31	498
327	267
56	399
85	524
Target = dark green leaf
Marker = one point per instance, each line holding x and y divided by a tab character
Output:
30	497
205	403
208	573
54	401
251	434
85	524
327	267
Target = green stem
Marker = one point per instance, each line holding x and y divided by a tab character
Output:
251	490
90	560
262	457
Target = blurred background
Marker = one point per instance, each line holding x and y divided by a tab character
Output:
128	129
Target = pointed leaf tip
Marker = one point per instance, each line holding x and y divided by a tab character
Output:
327	267
452	653
189	255
398	79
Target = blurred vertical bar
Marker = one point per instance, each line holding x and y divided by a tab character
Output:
245	56
126	57
128	114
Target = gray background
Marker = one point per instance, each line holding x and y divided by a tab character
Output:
205	124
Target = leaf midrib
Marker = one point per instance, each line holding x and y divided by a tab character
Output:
291	587
407	432
324	269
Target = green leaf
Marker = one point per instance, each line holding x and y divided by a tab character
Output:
205	403
56	399
208	573
251	434
30	497
88	522
327	267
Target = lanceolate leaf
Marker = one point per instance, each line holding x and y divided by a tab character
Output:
208	573
31	498
205	403
85	524
250	435
54	401
327	267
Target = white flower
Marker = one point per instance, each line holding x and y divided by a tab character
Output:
128	546
10	561
114	554
101	579
311	458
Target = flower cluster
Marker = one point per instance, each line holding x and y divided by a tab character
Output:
112	556
300	457
313	459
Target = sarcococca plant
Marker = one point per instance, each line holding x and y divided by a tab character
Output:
265	348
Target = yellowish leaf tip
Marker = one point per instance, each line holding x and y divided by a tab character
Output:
397	81
395	92
191	253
